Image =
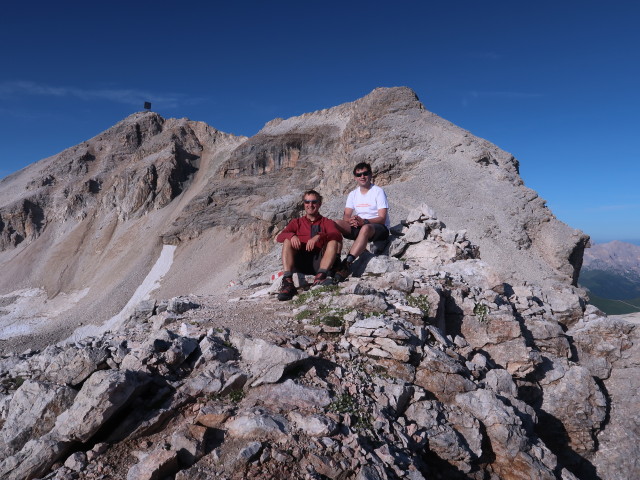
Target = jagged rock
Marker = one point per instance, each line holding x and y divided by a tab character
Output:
577	401
35	458
257	424
155	465
215	378
443	440
76	461
102	395
617	444
500	335
415	233
397	246
429	253
325	466
290	395
514	459
248	453
384	264
32	412
267	361
600	343
73	366
501	383
421	213
189	442
549	337
442	375
313	425
213	348
565	304
213	416
180	305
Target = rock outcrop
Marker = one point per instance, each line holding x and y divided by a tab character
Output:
434	370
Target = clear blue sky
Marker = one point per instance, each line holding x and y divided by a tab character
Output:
556	83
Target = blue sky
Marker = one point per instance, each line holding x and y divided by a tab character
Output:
554	83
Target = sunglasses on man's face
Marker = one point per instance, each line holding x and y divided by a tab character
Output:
362	174
307	202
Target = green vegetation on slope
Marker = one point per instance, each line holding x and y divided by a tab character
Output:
608	285
615	307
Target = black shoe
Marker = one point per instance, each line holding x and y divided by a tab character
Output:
322	280
287	290
343	270
319	279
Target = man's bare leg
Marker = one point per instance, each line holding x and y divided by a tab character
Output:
330	254
288	256
360	243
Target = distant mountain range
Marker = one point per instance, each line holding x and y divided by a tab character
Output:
611	273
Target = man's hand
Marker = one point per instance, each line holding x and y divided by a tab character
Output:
356	221
312	243
296	243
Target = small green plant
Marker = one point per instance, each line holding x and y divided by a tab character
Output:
347	404
236	396
332	321
316	292
19	381
481	311
332	317
303	314
421	302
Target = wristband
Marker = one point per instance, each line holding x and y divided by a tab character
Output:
365	221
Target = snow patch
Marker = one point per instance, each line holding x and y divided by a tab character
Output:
148	285
23	312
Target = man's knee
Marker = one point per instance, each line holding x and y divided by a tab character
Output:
367	231
333	245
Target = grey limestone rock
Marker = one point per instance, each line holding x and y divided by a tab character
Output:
157	464
267	361
258	424
101	396
33	411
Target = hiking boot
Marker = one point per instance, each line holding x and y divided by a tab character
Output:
342	271
287	289
321	279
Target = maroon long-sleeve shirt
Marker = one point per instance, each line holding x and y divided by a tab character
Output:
302	227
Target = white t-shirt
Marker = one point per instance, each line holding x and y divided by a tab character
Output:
367	205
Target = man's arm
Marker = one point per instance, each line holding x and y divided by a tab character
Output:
358	221
290	232
348	213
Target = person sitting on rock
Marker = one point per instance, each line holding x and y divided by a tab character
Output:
365	217
310	245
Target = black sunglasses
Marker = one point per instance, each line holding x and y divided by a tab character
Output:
311	201
362	174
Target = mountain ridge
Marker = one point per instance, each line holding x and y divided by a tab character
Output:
175	180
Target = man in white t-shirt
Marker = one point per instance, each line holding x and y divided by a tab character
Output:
365	217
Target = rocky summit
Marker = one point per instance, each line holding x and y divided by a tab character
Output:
141	338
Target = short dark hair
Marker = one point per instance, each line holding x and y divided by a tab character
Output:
360	166
312	192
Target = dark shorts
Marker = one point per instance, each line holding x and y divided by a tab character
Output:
380	233
307	262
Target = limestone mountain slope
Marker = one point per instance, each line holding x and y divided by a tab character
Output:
421	367
90	222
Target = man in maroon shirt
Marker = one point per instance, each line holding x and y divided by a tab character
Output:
310	245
